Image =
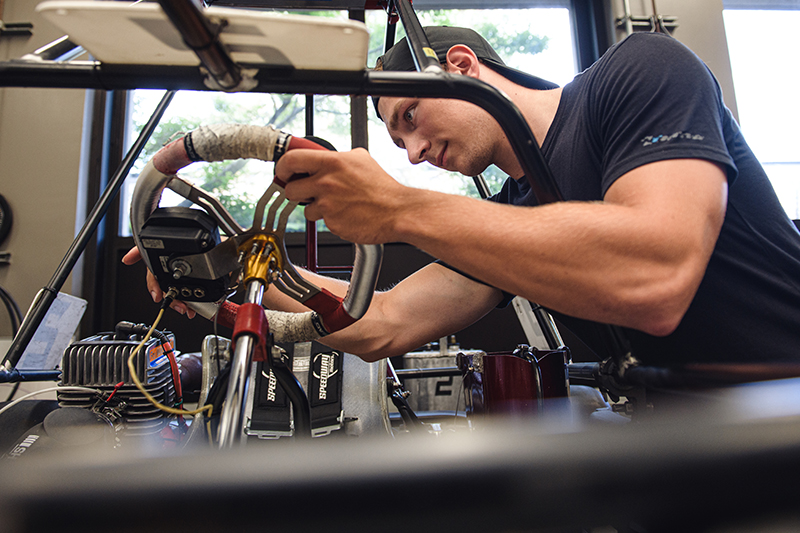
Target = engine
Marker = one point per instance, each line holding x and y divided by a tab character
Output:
98	402
101	362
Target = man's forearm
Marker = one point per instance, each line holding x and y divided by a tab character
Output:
634	261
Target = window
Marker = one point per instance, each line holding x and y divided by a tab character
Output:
237	184
762	44
547	51
553	58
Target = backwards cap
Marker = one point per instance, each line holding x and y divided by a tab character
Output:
441	39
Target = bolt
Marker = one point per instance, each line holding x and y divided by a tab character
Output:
180	268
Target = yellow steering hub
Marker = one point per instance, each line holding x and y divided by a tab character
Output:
263	259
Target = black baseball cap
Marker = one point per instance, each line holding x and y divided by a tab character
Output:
441	39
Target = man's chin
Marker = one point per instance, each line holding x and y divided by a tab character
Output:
473	171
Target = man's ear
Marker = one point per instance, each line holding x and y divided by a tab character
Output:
462	60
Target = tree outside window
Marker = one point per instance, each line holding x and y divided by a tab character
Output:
536	40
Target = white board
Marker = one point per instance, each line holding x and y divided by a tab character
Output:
142	34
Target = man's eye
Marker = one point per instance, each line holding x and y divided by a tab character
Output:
409	114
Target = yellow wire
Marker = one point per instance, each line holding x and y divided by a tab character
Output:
132	369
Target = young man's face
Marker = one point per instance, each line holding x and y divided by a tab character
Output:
449	134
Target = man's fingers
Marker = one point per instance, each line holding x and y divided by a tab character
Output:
182	308
133	256
311	212
157	294
298	162
154	288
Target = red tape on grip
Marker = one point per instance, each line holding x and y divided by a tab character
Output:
170	159
250	320
331	309
295	143
226	314
299	142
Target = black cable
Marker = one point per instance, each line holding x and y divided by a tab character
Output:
14	391
458	400
13	310
216	342
15	316
219	389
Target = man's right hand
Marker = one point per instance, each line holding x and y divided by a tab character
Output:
134	256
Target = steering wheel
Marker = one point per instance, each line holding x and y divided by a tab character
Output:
258	252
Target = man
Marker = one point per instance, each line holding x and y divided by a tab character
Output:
670	229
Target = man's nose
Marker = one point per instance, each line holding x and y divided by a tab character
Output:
417	151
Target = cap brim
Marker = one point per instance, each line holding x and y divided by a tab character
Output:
517	76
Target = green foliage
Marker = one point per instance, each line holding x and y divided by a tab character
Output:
508	44
224	180
494	178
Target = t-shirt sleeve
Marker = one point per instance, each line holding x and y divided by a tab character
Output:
657	100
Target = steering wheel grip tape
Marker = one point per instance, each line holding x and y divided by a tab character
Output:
331	308
226	315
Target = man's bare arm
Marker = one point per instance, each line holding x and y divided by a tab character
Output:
431	303
635	259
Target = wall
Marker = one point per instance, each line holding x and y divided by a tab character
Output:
700	27
40	142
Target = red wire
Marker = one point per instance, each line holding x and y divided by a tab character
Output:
176	374
116	388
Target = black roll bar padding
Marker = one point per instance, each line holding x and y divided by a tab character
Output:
391	28
48	295
202	37
90	74
492	100
606	376
16	376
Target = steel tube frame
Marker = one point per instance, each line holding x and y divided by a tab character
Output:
417	84
231	421
419	46
201	36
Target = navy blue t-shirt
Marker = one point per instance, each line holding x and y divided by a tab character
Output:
650	98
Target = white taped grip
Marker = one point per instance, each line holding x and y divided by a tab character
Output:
219	142
291	327
286	327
